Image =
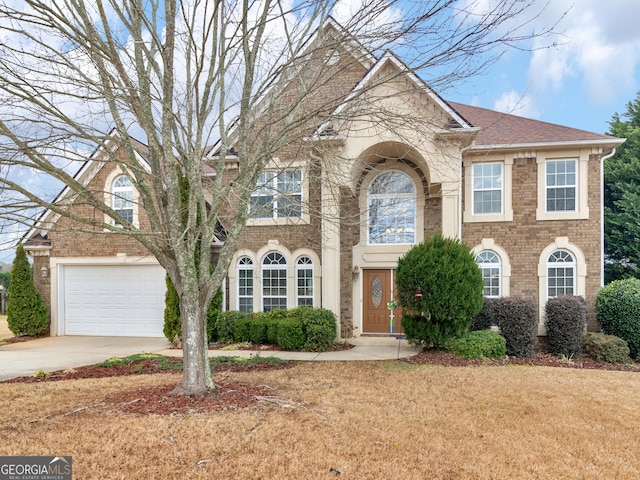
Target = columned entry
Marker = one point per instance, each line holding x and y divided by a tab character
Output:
378	289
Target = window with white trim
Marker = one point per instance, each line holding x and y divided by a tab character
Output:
561	185
274	281
245	285
489	264
122	191
391	202
487	188
561	274
304	282
278	194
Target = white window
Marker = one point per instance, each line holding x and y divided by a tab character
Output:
245	284
278	194
561	185
561	274
392	209
274	281
304	282
487	188
122	192
490	266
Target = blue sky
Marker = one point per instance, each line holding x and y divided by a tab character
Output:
591	73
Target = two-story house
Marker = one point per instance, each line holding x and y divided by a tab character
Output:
336	208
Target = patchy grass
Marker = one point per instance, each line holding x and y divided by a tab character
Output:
366	420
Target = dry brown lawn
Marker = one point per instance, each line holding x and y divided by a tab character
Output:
378	420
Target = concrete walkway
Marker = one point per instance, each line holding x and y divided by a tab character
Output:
59	353
365	348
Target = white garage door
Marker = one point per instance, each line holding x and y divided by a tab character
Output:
113	300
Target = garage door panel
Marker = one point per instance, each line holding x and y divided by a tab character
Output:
113	300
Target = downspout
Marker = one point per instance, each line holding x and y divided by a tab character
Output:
609	155
460	197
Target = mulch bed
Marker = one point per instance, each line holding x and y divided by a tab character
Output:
232	396
540	359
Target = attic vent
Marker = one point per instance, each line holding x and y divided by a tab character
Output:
328	131
452	124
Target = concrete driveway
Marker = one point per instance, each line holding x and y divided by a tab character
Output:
59	353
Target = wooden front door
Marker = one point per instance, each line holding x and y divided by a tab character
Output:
378	289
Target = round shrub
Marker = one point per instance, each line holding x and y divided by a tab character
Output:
618	311
485	318
517	318
319	326
606	348
565	321
445	272
478	344
290	334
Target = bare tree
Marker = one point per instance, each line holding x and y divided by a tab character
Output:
251	78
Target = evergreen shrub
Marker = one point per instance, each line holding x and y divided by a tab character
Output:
478	344
319	326
566	322
173	321
606	348
290	334
618	311
485	318
226	325
445	272
517	318
242	330
258	330
27	313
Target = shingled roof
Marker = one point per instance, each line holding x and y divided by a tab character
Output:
503	129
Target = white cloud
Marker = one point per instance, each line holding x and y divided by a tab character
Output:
600	44
516	104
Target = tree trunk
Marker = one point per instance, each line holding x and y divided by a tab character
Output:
196	373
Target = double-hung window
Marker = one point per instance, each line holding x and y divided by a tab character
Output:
489	264
278	194
487	188
304	280
561	185
561	274
274	281
245	285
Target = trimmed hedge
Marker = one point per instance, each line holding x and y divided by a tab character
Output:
566	322
478	344
606	348
485	319
226	325
318	327
242	330
290	334
517	318
618	311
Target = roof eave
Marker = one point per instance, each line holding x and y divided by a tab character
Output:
610	143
